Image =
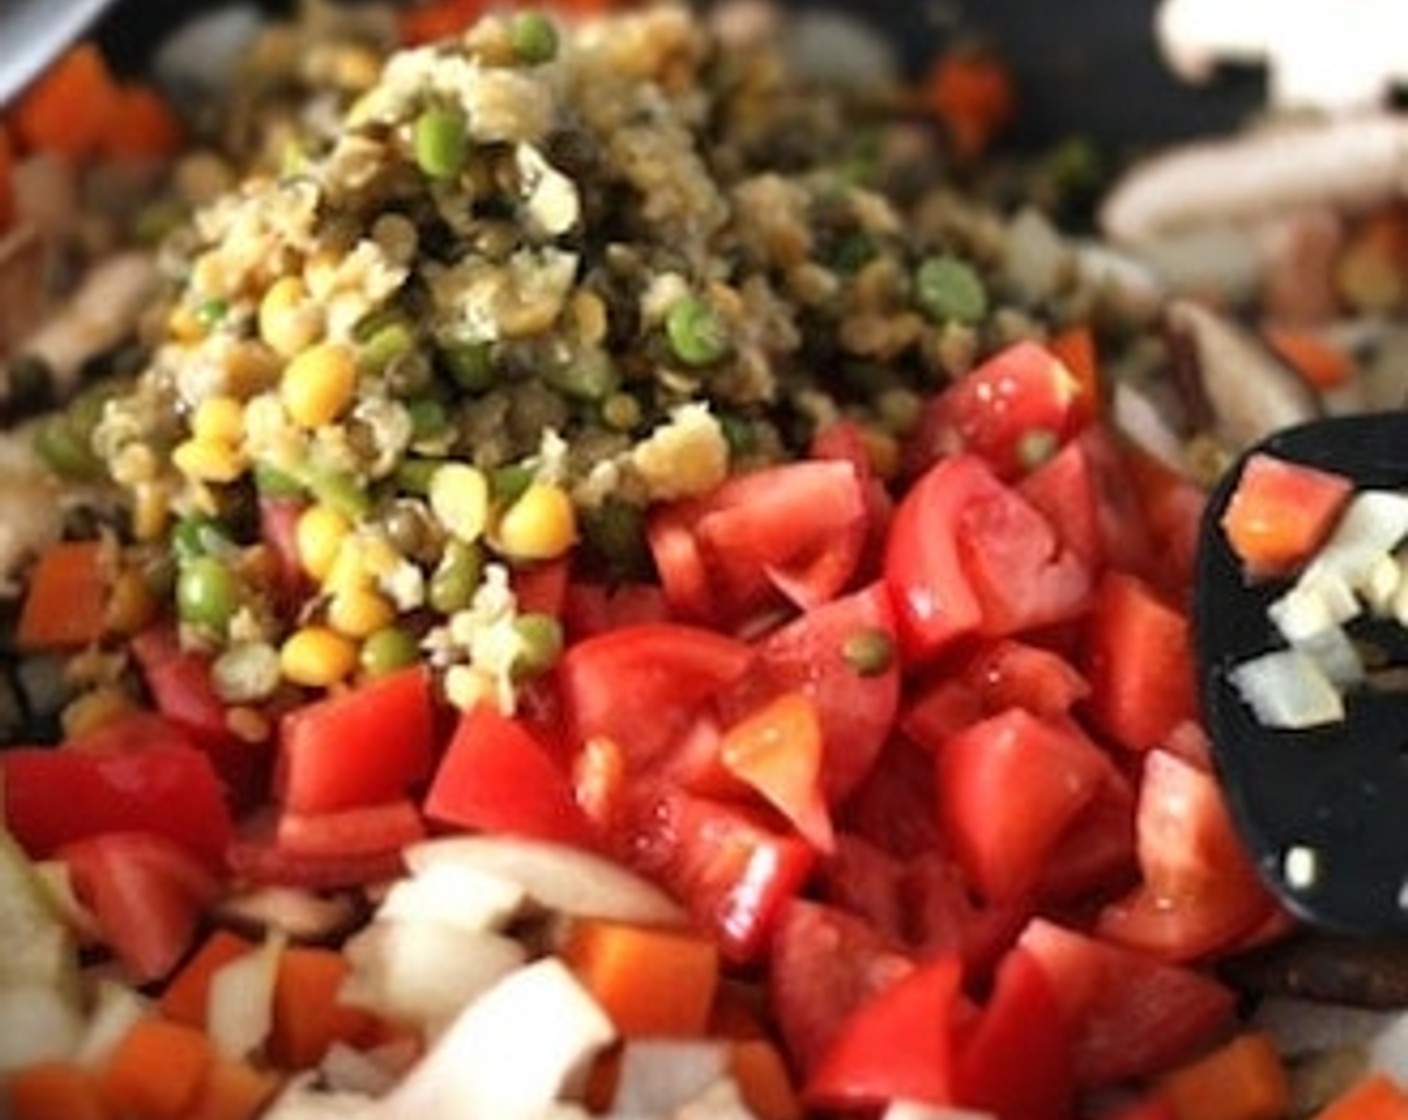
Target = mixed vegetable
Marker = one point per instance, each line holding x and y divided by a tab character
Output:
602	584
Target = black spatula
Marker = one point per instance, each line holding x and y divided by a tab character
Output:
1323	810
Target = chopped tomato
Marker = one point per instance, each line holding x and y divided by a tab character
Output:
1009	673
1280	512
1129	1015
1018	1062
968	555
1139	663
147	894
255	857
542	587
497	776
590	608
365	830
895	807
363	747
1003	841
1199	891
642	687
898	1045
1006	411
797	529
56	796
824	965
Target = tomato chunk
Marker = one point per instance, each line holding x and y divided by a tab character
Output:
1280	512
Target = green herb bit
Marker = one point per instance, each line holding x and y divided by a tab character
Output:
697	333
440	138
533	38
950	290
869	652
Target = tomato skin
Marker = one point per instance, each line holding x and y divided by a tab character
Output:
968	555
1129	1015
992	410
366	830
898	1045
1002	840
824	964
147	894
1139	663
364	747
496	776
671	671
57	796
1199	891
1018	1062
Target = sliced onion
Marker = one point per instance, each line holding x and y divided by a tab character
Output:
659	1076
240	1005
1287	689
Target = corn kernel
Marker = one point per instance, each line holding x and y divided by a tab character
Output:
317	657
350	570
204	460
319	535
288	322
459	498
359	612
218	420
184	324
319	384
540	525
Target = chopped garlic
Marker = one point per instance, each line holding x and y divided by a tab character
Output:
685	457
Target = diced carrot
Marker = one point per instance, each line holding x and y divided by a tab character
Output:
1375	1097
156	1070
650	980
142	127
1322	364
430	20
68	108
1244	1079
52	1089
1075	346
761	1075
1280	512
67	598
308	1014
232	1091
184	1000
972	92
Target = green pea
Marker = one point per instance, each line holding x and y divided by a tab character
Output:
275	483
198	535
456	578
533	38
387	344
211	313
428	418
440	138
65	450
469	365
207	593
950	290
869	652
697	333
413	475
388	650
540	636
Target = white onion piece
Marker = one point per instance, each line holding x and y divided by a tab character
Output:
1286	689
921	1110
302	1099
556	877
510	1054
116	1007
37	1022
425	972
455	894
658	1076
346	1069
1370	528
1388	1048
240	1003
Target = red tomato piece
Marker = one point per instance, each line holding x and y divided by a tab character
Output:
1280	512
894	808
821	654
497	776
137	730
897	1046
257	858
796	528
363	747
542	587
1130	1015
365	830
1002	840
1018	1062
824	965
1094	858
147	894
733	872
969	555
997	409
1139	663
591	608
55	797
278	529
1009	673
1200	891
643	686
